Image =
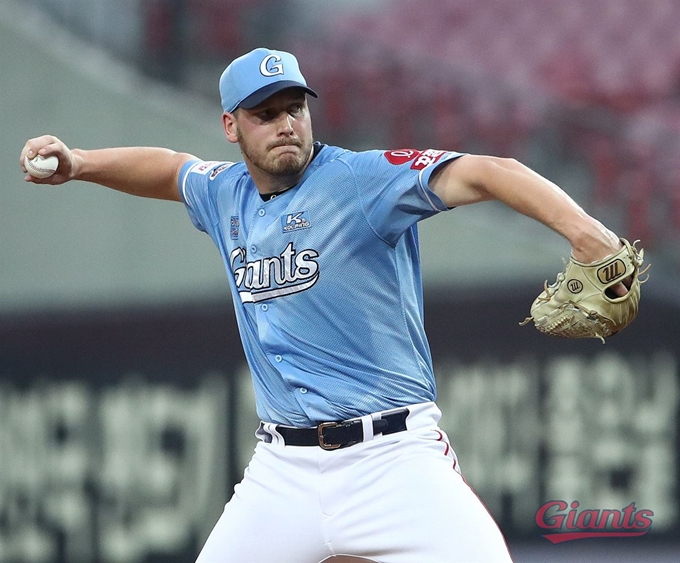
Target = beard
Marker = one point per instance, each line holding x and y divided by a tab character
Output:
287	164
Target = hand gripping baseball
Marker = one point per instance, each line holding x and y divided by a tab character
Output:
46	146
580	304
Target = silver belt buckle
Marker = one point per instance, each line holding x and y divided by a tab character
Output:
322	443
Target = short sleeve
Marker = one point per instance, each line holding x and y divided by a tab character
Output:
194	188
394	188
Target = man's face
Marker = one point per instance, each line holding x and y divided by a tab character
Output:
275	136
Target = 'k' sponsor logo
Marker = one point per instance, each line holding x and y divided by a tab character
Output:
295	221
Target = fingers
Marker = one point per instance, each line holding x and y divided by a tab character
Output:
46	145
621	288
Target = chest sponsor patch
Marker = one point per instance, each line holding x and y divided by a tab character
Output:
234	224
295	221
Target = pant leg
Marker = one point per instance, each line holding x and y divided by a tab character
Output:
273	516
394	499
404	502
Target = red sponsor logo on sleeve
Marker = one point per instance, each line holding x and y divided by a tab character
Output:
401	156
203	167
426	158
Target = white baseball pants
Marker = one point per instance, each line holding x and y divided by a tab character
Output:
398	498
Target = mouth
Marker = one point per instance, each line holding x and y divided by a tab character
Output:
286	151
286	146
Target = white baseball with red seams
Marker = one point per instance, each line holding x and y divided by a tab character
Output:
41	166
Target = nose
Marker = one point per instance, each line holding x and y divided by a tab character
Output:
286	124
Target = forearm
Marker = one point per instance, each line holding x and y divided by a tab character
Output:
479	178
143	171
530	194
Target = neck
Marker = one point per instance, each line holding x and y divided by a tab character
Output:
268	184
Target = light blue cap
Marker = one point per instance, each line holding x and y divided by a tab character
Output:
253	77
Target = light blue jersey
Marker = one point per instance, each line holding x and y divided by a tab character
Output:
326	279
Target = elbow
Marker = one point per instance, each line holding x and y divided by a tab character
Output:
490	170
505	163
494	169
480	168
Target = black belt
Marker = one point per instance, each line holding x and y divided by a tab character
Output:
334	435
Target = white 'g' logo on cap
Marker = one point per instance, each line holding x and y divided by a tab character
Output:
275	69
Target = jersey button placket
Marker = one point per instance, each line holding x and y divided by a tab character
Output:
252	249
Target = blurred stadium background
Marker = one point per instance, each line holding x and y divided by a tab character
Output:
126	412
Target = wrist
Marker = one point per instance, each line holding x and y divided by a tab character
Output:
77	164
592	241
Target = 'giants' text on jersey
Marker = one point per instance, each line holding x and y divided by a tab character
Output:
290	272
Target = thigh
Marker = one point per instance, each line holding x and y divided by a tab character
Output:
412	505
272	516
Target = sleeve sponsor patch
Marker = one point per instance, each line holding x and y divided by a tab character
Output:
203	167
219	169
418	159
401	156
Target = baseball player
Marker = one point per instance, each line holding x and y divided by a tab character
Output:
320	245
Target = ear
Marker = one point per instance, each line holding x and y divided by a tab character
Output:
230	127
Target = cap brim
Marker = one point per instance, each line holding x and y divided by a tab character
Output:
259	96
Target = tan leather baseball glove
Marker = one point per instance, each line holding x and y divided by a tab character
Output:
580	304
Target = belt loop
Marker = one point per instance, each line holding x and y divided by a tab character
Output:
269	429
367	424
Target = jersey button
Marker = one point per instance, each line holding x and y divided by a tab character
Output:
303	390
261	212
265	307
278	358
253	249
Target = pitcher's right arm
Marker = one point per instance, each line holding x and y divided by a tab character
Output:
142	171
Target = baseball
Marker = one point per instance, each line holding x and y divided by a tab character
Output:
41	167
